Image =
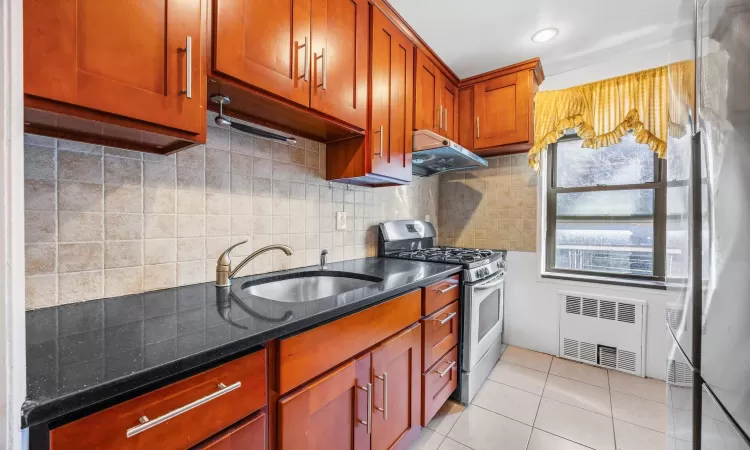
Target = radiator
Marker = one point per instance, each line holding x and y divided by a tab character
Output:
603	331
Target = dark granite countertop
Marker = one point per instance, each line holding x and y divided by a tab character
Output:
87	355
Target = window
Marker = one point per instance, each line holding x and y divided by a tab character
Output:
606	210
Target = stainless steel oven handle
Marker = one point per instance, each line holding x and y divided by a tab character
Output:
491	284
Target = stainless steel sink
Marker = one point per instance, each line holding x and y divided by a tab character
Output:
308	286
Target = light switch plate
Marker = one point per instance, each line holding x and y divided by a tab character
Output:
426	217
340	220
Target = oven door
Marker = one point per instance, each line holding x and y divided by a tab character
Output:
483	319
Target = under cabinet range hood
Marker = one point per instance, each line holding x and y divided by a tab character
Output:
433	154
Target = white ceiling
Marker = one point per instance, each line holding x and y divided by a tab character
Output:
475	36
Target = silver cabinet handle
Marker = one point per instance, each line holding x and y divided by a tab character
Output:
368	422
380	151
147	424
305	67
324	83
384	409
447	369
446	320
188	50
445	111
440	117
477	127
449	288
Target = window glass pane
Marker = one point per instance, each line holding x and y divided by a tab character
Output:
606	203
623	163
606	247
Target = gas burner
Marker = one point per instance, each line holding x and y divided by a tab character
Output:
448	254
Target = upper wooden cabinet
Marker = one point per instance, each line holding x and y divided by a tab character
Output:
296	65
436	98
339	59
383	156
115	73
262	42
498	109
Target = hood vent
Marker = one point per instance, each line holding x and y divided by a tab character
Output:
433	154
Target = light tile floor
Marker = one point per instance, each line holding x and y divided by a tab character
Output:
534	401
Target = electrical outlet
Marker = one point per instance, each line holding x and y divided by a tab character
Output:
340	220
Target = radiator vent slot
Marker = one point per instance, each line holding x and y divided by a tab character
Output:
604	331
588	352
573	305
679	373
607	309
626	312
590	307
570	348
608	356
626	360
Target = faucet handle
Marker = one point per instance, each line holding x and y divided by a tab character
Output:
224	259
323	259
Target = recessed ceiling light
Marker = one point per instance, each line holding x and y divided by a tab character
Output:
544	35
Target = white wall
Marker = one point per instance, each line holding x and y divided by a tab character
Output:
620	64
531	311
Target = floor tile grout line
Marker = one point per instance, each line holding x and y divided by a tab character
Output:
612	412
536	414
563	437
502	415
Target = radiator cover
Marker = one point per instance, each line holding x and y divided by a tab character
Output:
604	331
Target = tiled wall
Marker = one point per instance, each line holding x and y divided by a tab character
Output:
491	208
103	222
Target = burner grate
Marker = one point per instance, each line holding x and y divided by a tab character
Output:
448	254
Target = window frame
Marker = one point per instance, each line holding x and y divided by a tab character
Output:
659	217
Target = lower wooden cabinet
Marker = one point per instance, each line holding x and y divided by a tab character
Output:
372	402
330	413
248	434
176	416
438	383
396	365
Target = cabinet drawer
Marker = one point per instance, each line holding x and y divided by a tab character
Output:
436	388
309	354
249	434
440	334
437	295
199	407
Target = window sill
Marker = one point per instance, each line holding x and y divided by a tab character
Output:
658	285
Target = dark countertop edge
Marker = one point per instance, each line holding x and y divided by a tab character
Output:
76	404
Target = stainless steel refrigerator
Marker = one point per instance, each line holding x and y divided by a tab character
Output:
708	367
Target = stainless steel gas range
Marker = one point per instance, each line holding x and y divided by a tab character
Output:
482	284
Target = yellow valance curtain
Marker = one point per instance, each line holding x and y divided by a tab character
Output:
603	112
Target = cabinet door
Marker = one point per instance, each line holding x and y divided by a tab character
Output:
248	434
396	368
502	110
330	413
124	58
265	43
339	59
427	80
392	63
449	107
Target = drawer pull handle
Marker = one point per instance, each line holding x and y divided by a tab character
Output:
147	424
384	409
368	423
449	288
448	369
446	320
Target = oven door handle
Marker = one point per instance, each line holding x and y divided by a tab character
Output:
500	280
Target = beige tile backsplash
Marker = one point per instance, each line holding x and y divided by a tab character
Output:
102	221
491	208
